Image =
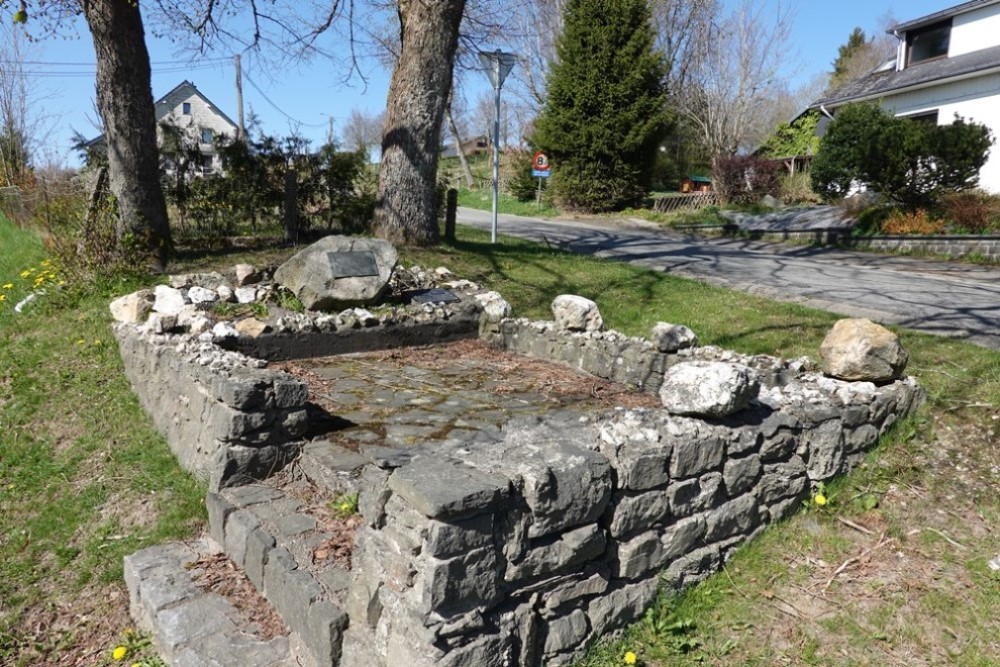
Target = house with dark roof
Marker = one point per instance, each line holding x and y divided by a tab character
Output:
196	118
947	63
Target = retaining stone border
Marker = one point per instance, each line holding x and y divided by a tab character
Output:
528	548
192	627
949	246
228	418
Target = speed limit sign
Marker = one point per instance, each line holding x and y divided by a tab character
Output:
540	165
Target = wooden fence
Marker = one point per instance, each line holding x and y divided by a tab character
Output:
685	201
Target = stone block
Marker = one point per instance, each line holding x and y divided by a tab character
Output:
467	581
242	389
860	438
568	550
576	313
218	511
692	567
571	593
695	495
565	633
631	513
825	448
238	527
290	590
258	546
682	536
670	338
744	440
639	556
631	442
697	448
443	489
708	388
563	485
289	391
620	606
185	623
325	632
782	480
860	350
739	475
778	447
737	517
445	540
132	308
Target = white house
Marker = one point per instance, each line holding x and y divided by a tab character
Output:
947	63
187	109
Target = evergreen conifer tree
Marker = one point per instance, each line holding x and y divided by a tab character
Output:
605	113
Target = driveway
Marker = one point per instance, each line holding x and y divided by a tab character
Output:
947	299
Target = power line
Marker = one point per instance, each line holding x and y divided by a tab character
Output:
277	108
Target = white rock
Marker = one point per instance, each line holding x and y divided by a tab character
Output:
225	293
495	307
202	295
365	317
161	323
246	294
245	274
708	388
168	300
442	272
860	350
132	308
224	330
670	338
576	313
200	325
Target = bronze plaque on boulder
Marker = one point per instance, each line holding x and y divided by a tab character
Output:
352	264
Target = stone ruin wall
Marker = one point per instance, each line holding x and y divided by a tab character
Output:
527	549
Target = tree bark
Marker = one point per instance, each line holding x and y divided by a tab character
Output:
125	101
406	208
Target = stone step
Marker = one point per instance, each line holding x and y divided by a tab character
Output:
192	627
282	539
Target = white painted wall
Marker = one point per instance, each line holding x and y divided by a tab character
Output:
975	30
203	115
973	99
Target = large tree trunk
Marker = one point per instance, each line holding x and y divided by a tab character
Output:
125	100
405	212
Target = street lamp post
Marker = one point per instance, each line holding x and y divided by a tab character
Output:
497	65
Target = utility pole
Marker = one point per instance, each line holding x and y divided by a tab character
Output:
241	131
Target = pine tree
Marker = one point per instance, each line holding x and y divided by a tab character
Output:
605	113
843	67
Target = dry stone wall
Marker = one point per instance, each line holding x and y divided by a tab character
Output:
526	548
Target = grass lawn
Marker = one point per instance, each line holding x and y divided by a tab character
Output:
893	571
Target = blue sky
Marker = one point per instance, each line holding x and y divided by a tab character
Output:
305	98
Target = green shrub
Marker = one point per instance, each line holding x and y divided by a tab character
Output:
797	189
912	163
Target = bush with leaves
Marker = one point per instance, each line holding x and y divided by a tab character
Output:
972	211
912	163
515	175
744	179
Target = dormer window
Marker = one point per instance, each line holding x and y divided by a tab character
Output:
186	108
928	42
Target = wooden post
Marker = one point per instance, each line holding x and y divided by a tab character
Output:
291	208
450	214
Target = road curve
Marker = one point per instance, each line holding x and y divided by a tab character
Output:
947	299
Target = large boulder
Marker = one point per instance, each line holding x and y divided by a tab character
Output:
339	272
858	350
576	313
708	388
671	338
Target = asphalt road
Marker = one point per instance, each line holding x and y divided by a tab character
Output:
947	299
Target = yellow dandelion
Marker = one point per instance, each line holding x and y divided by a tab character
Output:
119	653
631	658
98	342
345	507
820	499
46	262
81	342
27	272
3	297
9	286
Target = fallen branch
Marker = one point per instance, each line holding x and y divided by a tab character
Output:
856	526
946	538
857	559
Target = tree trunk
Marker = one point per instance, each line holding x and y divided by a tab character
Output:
125	101
406	209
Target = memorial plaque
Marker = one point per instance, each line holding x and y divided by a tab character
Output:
436	295
352	264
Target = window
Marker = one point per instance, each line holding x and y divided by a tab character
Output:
206	136
929	117
186	108
928	43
